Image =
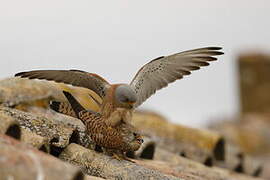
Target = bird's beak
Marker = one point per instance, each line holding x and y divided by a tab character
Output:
131	104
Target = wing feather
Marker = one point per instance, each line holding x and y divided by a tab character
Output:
73	77
161	71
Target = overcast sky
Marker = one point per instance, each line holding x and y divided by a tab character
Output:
115	38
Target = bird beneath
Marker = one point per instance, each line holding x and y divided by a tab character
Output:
114	141
120	100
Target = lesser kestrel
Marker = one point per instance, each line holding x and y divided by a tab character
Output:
114	140
119	100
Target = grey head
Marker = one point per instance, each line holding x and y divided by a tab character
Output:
125	96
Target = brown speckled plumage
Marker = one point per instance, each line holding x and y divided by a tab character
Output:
63	108
118	139
123	137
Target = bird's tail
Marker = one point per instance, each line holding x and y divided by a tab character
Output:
72	108
75	105
63	107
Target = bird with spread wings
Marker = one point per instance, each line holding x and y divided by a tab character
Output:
119	100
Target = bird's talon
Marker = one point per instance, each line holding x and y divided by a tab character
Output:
116	156
120	157
127	159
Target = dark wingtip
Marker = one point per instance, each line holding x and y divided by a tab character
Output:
54	105
76	70
220	53
25	74
215	48
67	94
76	106
19	74
217	52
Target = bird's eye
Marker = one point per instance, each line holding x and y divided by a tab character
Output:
125	99
135	134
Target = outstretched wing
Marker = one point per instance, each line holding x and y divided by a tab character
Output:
161	71
73	77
